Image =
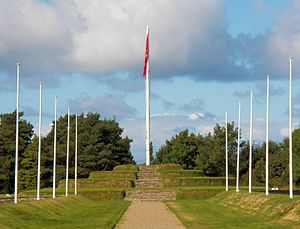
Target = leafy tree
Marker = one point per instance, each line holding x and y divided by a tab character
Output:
28	167
7	147
100	147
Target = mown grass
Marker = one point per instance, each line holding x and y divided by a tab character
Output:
71	212
238	210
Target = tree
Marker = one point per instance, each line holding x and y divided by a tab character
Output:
7	147
100	147
28	167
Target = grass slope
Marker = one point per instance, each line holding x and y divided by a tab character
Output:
71	212
238	210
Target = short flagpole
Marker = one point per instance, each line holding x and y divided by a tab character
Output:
40	145
290	132
238	150
17	136
250	142
68	149
147	107
54	147
226	148
76	145
267	134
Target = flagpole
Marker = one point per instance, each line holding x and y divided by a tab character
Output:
68	149
17	135
267	134
250	142
147	106
226	148
39	147
290	131
76	145
238	151
54	146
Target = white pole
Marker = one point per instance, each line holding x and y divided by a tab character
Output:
54	146
226	148
147	108
250	142
267	135
290	131
76	145
68	149
238	150
39	147
17	135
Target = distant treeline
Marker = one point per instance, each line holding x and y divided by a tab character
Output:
100	147
207	152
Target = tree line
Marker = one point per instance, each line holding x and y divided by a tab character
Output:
101	146
207	152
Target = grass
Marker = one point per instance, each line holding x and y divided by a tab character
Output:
71	212
238	210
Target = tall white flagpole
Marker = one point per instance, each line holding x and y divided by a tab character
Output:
250	141
17	135
238	150
76	145
39	149
267	134
68	149
147	106
226	148
54	147
290	131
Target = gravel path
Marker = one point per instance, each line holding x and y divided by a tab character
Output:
149	215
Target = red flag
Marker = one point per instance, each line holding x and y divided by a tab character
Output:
146	53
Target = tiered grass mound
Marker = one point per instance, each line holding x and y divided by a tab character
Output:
105	184
174	175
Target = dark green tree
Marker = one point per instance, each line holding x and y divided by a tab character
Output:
7	147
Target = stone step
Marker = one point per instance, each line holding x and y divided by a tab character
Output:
148	183
150	195
148	175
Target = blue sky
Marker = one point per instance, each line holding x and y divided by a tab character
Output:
205	57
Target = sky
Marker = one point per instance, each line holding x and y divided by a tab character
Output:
205	57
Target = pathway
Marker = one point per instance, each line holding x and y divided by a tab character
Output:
149	215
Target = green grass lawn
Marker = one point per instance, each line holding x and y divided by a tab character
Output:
71	212
238	210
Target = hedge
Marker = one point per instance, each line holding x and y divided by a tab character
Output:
113	174
125	167
181	173
163	167
191	181
104	195
99	183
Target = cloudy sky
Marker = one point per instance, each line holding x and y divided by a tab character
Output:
206	56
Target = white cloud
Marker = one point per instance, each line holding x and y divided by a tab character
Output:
195	116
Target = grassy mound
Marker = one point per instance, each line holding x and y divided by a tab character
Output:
73	212
238	210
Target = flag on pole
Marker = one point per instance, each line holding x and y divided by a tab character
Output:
146	53
147	93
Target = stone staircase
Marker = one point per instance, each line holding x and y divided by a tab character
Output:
148	186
